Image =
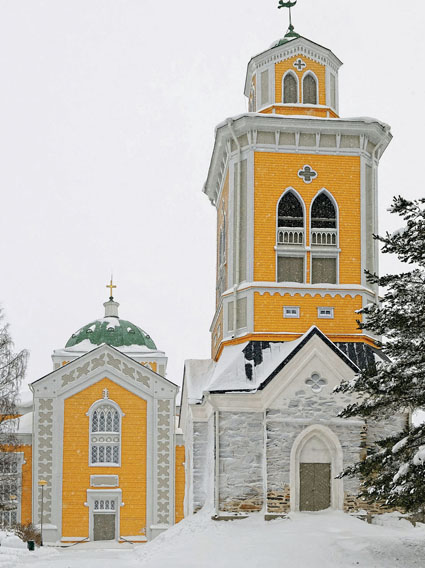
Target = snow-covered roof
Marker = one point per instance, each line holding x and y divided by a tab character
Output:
197	376
246	367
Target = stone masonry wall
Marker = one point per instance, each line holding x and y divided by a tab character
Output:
287	420
241	484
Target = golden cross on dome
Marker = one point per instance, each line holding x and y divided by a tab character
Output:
111	287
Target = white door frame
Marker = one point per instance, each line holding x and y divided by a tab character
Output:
112	495
333	445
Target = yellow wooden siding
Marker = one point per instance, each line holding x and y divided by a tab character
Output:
296	110
76	469
217	334
268	314
340	175
318	69
26	495
179	484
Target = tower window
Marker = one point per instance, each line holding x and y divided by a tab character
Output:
290	211
290	220
325	313
323	214
290	88
323	222
290	269
333	91
309	90
323	270
291	312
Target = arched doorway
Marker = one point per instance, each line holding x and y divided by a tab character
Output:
316	459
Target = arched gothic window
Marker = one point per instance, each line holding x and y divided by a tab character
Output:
309	90
290	237
290	211
290	89
324	234
105	434
323	214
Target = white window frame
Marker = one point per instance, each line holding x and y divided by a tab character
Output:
324	254
287	312
322	315
335	204
292	254
95	406
291	72
313	74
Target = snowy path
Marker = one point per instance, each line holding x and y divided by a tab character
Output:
307	540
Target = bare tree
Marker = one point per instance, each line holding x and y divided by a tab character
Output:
12	371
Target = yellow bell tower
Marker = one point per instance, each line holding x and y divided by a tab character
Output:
295	188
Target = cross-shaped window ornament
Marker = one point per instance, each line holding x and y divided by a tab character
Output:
299	64
105	393
307	174
316	382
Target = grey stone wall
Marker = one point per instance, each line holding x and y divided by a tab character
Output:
241	485
288	419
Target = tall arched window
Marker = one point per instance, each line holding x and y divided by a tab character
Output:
324	235
323	214
309	90
290	88
290	234
105	433
290	212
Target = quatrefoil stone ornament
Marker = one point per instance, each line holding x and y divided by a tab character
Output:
299	64
316	382
307	174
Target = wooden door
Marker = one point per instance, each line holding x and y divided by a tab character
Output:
104	526
315	486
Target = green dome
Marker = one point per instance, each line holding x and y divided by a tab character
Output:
111	330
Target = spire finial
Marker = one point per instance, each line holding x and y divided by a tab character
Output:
111	286
289	5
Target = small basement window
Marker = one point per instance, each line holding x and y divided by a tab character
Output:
325	313
291	312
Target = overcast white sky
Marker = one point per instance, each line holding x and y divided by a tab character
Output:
108	109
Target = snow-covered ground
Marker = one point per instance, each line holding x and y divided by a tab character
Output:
306	540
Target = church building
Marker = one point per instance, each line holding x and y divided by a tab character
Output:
295	189
101	455
99	448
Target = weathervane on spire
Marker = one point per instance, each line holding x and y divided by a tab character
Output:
289	5
111	287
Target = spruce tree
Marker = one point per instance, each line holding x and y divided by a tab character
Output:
394	469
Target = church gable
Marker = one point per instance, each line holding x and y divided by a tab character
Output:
105	360
135	449
309	376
